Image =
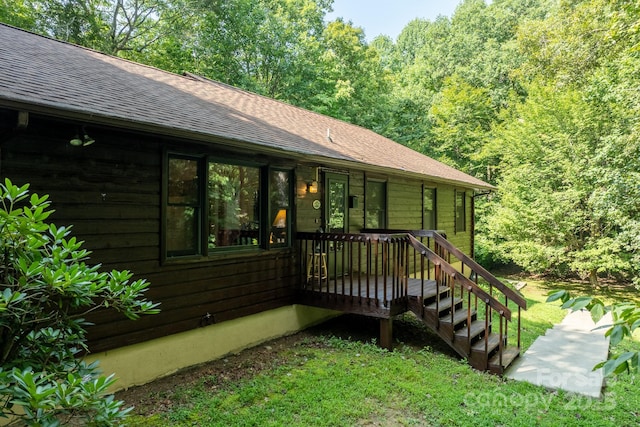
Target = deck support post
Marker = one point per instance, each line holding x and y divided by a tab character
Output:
386	333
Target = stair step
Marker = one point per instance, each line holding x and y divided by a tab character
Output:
492	344
459	317
509	354
431	291
444	304
477	328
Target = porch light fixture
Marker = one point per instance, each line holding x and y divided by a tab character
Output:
76	141
312	187
86	140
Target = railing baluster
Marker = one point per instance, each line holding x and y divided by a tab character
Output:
422	286
360	272
469	319
519	312
385	270
501	343
369	266
342	275
351	267
487	313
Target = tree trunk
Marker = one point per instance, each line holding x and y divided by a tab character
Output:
593	278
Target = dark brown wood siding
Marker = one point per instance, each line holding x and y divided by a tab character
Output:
111	193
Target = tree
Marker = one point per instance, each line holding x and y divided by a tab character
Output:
351	82
46	291
16	13
461	116
110	26
569	150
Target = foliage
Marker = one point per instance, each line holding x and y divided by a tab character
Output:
46	291
626	319
538	97
324	380
567	199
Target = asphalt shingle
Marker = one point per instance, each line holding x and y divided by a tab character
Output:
40	72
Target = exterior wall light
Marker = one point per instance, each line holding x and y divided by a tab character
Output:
76	141
312	187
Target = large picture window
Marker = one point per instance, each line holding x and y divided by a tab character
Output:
234	205
214	205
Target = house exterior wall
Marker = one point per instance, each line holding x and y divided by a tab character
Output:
404	204
144	362
111	193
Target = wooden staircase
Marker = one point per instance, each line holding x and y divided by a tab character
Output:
471	320
384	273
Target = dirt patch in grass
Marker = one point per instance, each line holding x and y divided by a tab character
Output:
161	396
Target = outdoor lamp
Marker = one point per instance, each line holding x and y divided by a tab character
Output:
312	187
86	140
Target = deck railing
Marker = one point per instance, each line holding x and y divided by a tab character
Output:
371	268
438	243
382	268
470	268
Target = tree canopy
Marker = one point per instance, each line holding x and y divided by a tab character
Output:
538	97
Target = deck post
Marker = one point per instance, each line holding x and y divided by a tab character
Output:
386	333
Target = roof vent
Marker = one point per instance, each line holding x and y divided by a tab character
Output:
329	135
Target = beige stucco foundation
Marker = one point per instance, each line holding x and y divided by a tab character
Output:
142	363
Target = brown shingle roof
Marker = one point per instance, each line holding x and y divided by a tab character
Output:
41	74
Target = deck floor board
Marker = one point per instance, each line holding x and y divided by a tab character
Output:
356	287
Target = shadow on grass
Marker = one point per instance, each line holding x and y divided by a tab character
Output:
407	330
615	292
608	289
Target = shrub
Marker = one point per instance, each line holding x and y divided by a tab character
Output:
46	290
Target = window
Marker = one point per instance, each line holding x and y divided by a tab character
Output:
279	207
183	207
429	208
213	206
461	211
376	205
234	205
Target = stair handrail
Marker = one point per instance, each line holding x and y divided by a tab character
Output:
451	271
471	263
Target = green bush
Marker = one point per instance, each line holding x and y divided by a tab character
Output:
486	255
46	290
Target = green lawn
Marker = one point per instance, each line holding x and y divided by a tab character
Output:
326	379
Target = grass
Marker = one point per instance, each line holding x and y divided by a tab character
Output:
325	380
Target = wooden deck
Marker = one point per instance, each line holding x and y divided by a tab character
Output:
380	292
377	297
474	320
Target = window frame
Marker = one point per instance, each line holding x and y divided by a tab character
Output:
203	252
434	211
385	218
165	205
460	215
290	209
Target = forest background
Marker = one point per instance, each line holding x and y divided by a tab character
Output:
538	97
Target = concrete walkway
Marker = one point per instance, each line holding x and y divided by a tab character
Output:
565	356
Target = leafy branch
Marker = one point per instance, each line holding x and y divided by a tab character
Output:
46	290
626	319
